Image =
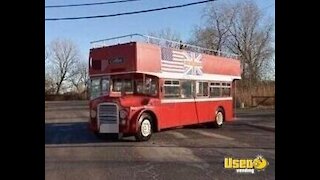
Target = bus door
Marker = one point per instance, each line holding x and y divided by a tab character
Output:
170	112
204	107
178	107
187	106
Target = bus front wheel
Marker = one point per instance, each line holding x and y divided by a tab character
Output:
145	128
219	118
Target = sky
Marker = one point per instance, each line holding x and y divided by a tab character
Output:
82	32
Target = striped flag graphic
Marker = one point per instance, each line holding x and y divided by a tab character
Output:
181	62
172	61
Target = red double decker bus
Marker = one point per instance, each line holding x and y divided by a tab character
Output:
147	84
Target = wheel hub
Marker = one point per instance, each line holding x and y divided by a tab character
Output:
219	118
146	128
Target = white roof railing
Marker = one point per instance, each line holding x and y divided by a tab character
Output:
161	42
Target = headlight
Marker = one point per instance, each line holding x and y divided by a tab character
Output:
123	113
93	113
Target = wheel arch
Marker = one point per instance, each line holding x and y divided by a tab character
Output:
153	116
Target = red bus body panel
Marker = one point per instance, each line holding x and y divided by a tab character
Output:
148	58
188	113
221	65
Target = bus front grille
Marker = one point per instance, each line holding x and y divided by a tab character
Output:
108	113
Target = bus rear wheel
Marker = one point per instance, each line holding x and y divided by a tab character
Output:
219	118
145	128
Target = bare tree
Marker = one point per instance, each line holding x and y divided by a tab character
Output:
47	54
251	38
240	28
50	87
166	33
268	70
80	77
215	32
63	60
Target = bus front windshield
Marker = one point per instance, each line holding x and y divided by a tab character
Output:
124	85
135	85
99	86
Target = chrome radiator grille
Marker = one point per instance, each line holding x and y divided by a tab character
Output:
108	113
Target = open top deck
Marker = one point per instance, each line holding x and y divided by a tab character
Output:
136	53
160	42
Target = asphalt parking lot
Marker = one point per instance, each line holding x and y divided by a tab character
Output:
197	152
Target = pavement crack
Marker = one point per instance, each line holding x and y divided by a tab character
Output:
147	170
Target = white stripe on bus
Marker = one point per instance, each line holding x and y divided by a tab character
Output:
195	100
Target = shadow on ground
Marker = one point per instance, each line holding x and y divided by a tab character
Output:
79	133
75	133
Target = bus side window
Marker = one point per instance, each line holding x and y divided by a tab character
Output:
171	89
226	91
218	89
215	92
186	89
202	89
215	89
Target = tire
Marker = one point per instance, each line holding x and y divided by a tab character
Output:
145	128
219	118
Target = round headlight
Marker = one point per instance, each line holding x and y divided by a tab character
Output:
123	113
93	113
